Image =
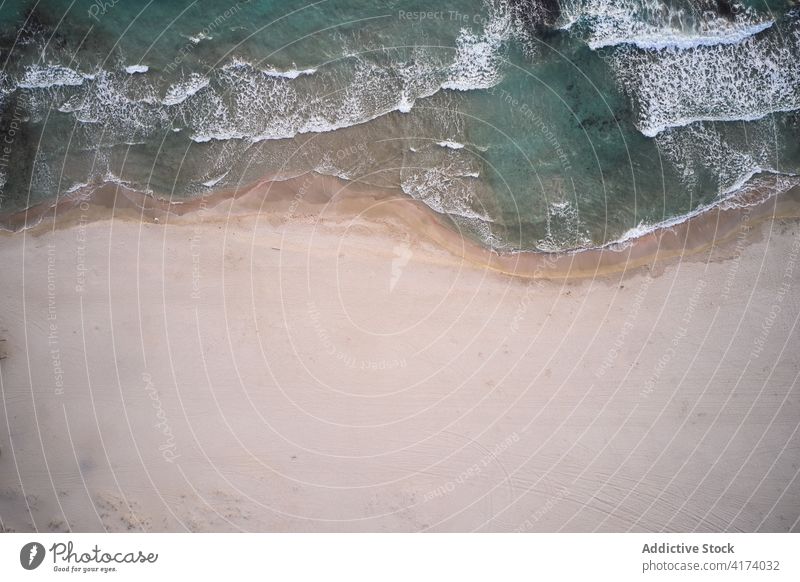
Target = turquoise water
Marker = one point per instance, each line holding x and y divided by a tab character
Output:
532	124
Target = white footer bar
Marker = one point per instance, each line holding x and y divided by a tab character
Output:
389	557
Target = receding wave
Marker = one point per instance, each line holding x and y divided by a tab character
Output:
763	183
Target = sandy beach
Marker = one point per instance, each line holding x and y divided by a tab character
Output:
323	362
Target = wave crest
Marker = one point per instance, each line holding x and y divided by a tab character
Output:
654	24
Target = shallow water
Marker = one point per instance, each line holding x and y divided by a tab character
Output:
533	124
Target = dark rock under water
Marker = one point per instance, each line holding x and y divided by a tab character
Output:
19	143
726	9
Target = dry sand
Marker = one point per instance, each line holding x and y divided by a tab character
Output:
303	366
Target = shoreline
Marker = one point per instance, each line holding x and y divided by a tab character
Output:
329	367
338	203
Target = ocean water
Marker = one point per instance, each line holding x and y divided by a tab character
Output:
531	124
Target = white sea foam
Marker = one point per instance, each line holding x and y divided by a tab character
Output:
76	187
200	36
217	136
706	151
243	101
180	92
290	73
267	105
70	105
444	191
746	81
134	69
653	24
214	181
453	145
563	228
667	39
477	62
405	105
730	200
44	77
109	177
129	110
285	111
